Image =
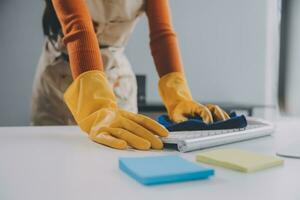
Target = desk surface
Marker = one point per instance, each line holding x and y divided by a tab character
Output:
60	163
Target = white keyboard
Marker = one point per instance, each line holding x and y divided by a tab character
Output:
194	140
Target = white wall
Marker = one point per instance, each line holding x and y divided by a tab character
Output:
226	48
20	47
292	58
229	48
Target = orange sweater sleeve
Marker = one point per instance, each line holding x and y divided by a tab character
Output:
163	42
79	36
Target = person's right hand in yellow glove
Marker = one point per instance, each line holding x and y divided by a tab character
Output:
180	105
94	108
90	97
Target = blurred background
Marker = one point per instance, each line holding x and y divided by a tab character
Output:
241	54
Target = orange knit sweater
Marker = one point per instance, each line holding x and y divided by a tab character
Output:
83	47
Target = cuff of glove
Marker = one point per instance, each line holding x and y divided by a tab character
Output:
89	92
173	88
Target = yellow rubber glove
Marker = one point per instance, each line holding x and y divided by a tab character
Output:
94	108
180	105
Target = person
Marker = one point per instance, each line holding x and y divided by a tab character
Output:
84	78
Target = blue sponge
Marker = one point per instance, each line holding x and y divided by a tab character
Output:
163	169
193	124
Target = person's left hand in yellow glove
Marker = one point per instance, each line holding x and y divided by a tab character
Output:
172	84
180	105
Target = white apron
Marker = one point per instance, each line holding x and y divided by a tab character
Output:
114	21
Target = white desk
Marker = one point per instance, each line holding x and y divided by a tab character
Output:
60	163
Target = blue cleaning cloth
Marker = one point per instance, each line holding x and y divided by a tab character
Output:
163	169
193	124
